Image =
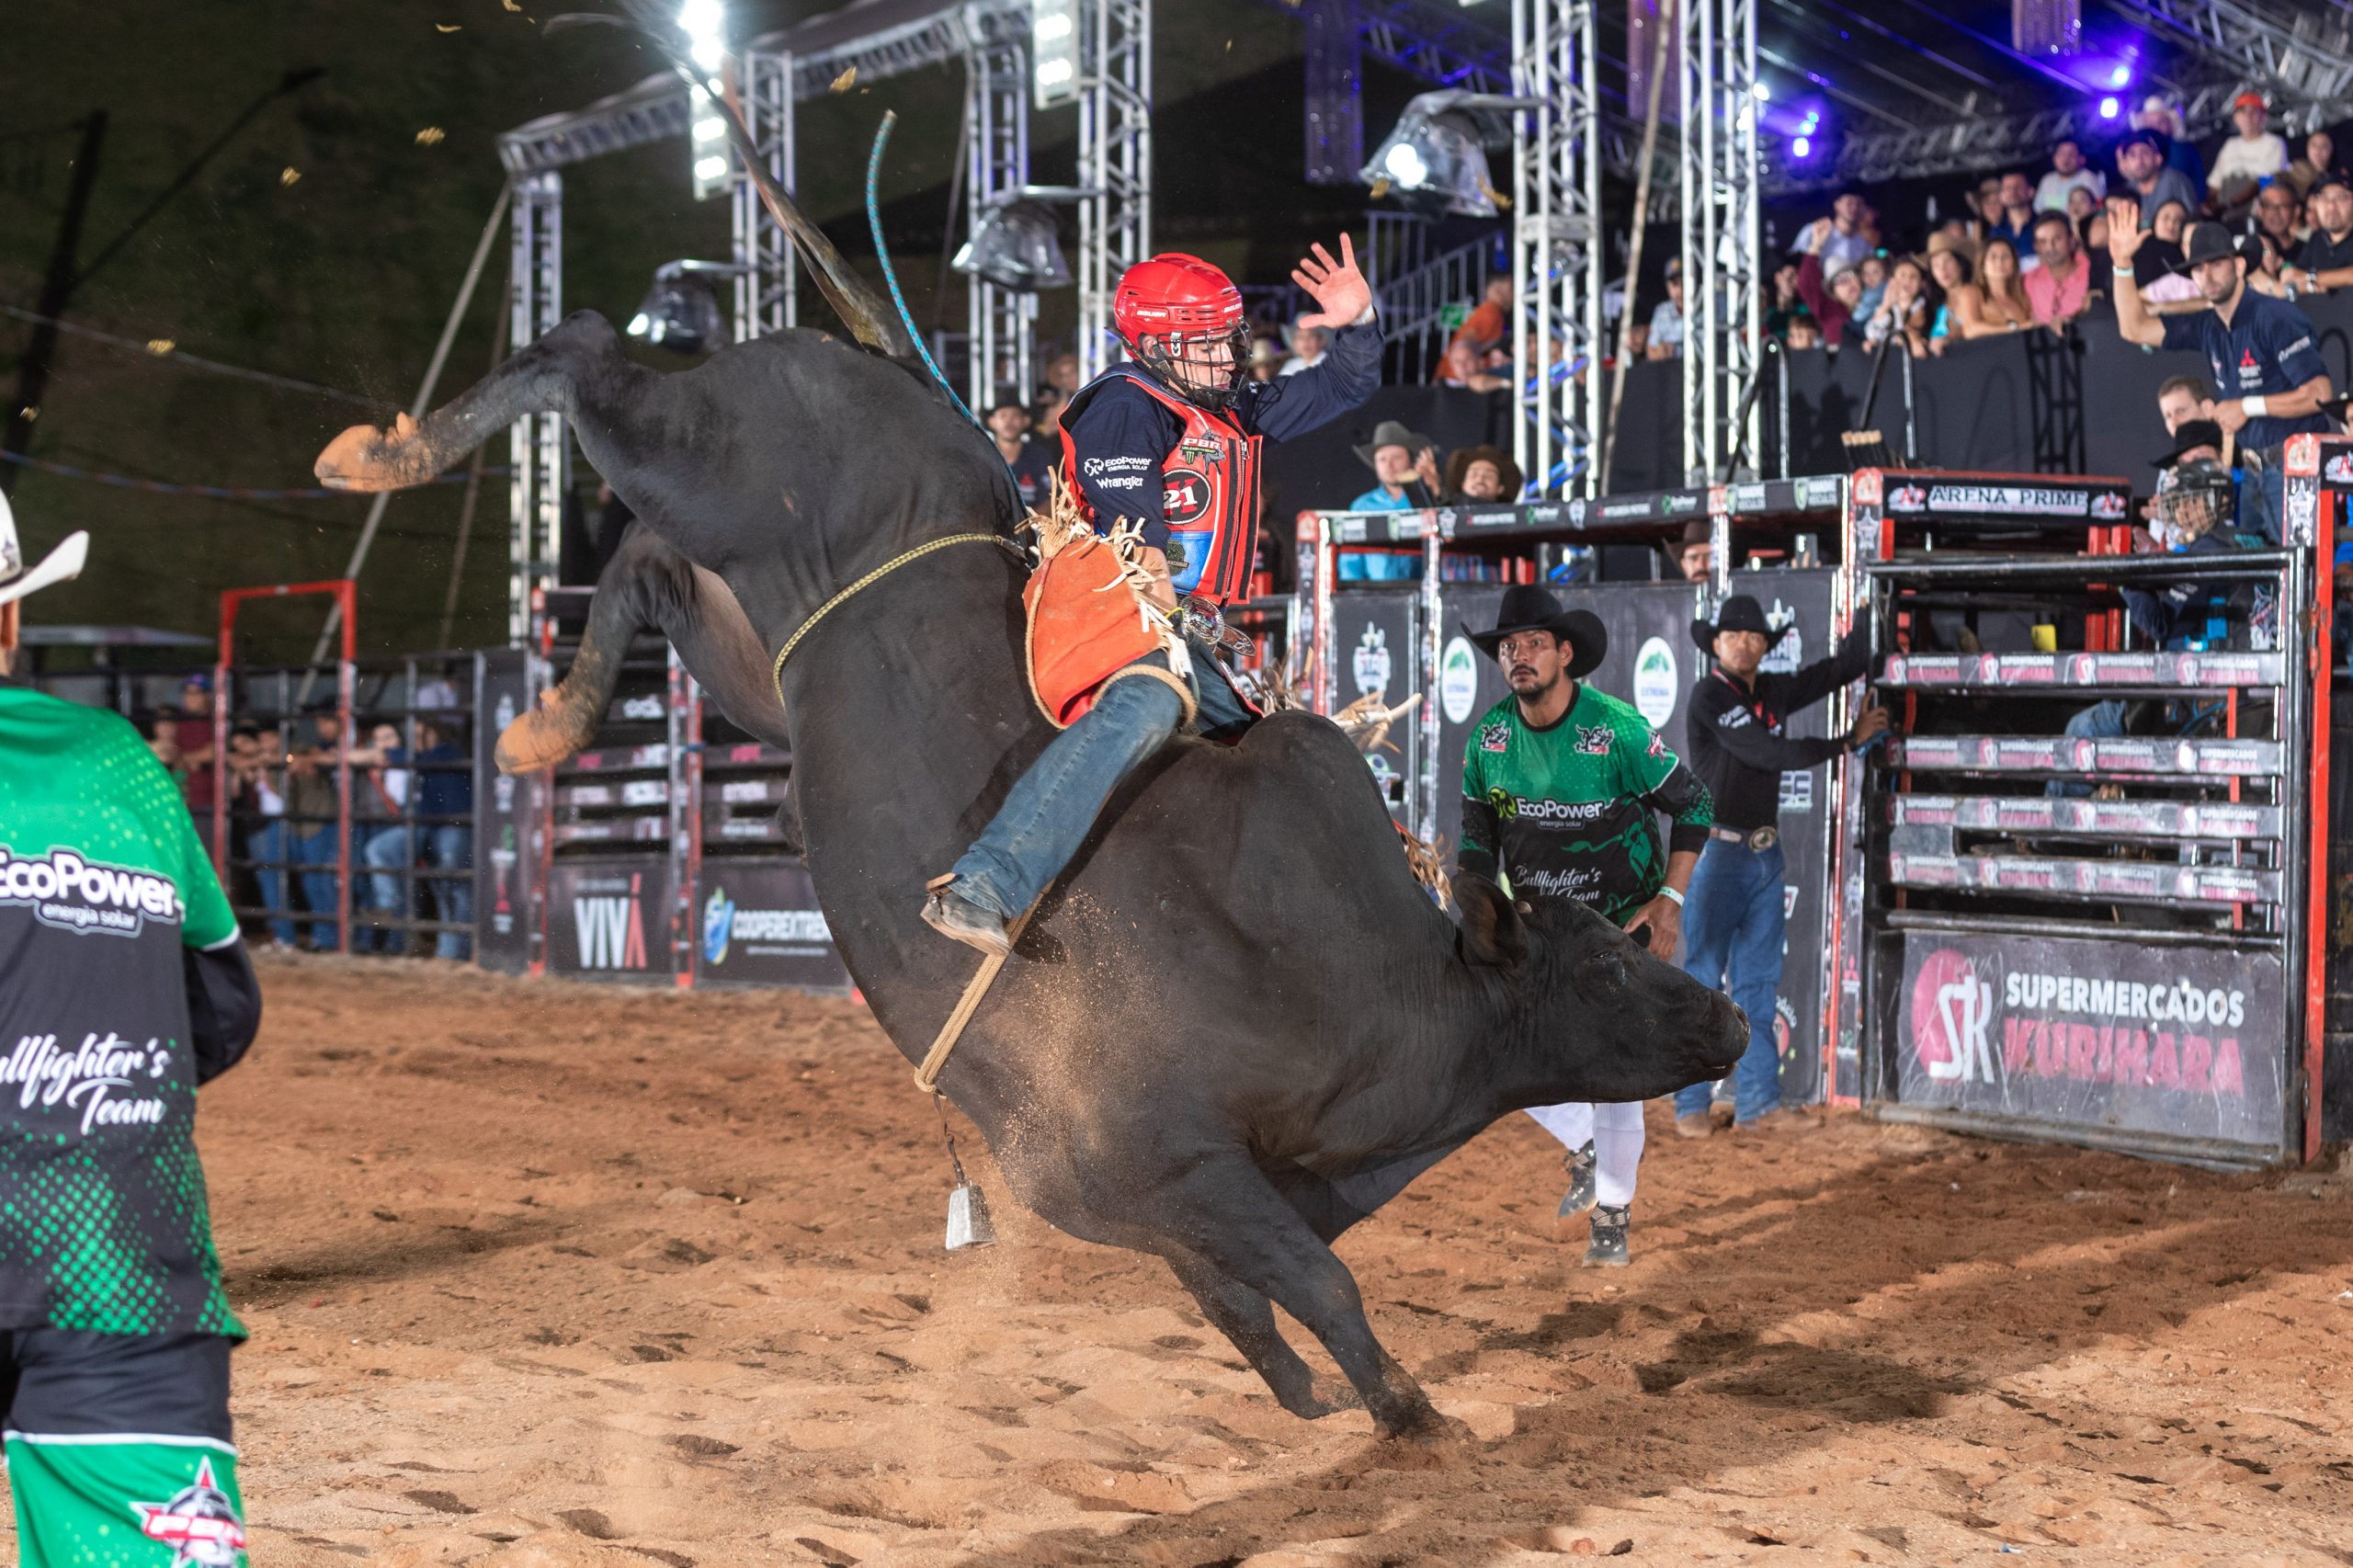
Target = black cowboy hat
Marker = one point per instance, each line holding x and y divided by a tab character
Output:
1528	608
2193	434
1738	613
1390	433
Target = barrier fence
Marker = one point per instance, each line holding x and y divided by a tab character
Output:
1961	899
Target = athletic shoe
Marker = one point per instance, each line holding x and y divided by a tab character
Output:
1607	1247
953	915
1698	1124
1580	1195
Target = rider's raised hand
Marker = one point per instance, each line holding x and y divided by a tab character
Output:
1336	286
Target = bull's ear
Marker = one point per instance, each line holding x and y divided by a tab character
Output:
1491	931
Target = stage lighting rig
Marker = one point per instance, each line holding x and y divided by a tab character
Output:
1018	241
1435	159
679	313
705	24
1054	52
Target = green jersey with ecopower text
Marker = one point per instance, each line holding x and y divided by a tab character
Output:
1566	811
103	881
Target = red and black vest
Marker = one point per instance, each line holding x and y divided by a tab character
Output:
1209	490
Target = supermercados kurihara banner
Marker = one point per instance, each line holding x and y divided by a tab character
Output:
2181	1041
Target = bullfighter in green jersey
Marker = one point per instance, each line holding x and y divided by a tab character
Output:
1561	786
122	987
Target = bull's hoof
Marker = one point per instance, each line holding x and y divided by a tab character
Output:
366	459
1424	1440
535	741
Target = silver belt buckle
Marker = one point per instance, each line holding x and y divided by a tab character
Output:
1764	838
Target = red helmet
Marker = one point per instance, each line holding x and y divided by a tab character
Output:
1183	302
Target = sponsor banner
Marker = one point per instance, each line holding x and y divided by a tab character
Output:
2214	670
2065	754
614	830
2147	882
1637	615
622	759
2142	819
610	919
2185	1042
1376	643
510	822
758	924
1376	527
1912	495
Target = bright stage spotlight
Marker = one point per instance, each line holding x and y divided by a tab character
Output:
705	24
1053	52
679	313
2108	108
1016	246
1436	160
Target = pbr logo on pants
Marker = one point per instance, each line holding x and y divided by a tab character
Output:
199	1523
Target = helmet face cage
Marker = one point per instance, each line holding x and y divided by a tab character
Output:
1172	357
2193	499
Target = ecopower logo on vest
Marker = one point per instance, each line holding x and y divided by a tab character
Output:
71	893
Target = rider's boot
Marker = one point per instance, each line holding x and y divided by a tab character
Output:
1582	1187
1607	1247
951	915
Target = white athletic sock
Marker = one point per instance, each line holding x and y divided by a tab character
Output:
1617	1152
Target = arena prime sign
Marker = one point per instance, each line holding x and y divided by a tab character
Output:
1653	664
2178	1042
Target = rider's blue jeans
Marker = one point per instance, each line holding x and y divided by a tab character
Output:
1733	920
1053	807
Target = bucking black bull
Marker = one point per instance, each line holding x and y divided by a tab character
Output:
1236	1026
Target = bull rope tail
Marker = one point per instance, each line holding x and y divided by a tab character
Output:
891	274
935	1061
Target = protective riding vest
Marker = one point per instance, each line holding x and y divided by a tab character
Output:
1209	490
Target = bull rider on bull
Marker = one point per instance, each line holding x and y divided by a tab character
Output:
1169	440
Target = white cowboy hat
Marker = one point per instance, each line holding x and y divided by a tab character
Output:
63	562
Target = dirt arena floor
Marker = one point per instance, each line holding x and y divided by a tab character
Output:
552	1274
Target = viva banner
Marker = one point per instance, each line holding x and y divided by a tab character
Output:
2179	1041
610	920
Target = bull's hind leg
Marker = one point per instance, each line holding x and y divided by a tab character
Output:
552	376
1225	1211
1248	1319
650	585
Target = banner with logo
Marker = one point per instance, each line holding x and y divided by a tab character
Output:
2185	1042
610	920
1376	651
510	821
1653	664
758	924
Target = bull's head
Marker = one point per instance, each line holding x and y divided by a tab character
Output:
1592	1015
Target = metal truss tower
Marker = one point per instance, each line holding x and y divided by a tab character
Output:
763	295
1335	91
1001	323
1556	246
1722	233
1115	164
537	444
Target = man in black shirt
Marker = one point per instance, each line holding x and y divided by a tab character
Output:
2326	260
1030	462
1733	916
2269	379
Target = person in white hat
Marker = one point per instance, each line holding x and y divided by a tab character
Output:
124	986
